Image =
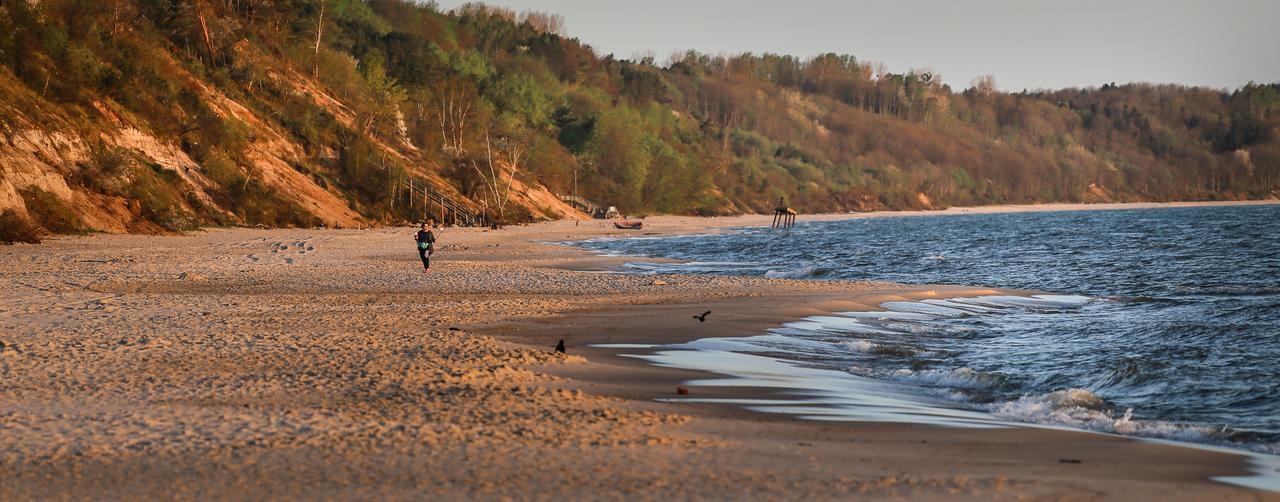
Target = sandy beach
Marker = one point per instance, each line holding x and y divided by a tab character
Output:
274	364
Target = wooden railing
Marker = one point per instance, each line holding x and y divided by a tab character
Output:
579	202
441	207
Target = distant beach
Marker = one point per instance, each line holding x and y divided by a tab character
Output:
235	363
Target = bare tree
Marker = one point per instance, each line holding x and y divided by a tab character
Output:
319	32
480	9
456	107
984	84
204	30
506	161
881	70
542	22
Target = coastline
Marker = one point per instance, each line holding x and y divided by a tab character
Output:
687	224
364	350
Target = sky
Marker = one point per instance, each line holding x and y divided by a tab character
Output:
1027	44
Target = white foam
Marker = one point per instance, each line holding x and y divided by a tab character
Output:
758	343
820	394
837	324
1081	409
799	273
968	307
958	378
888	315
1034	301
925	308
859	346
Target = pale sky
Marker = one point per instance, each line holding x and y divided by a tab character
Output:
1025	44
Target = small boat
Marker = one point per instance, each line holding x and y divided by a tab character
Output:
628	225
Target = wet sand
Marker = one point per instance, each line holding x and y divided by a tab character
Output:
245	363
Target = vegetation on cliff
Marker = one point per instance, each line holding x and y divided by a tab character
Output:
300	112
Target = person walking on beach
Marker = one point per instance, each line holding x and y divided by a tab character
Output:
426	244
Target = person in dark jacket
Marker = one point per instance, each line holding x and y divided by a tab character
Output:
426	244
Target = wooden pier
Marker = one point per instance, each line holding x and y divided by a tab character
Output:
784	217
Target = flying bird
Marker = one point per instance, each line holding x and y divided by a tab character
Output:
703	317
560	346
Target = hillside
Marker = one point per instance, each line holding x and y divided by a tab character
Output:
166	115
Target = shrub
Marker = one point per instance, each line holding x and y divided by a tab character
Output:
257	203
102	171
49	211
15	228
254	202
161	204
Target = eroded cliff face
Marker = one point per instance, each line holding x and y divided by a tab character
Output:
112	173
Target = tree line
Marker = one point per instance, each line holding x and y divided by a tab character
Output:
490	99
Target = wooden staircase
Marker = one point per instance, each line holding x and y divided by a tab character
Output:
440	207
580	203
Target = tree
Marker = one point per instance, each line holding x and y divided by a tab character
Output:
984	85
503	157
456	104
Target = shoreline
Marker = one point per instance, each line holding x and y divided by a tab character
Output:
621	356
722	222
239	362
622	353
731	390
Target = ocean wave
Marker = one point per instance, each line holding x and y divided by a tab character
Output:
1033	301
1082	409
926	309
887	315
645	267
1227	291
958	378
1126	372
868	347
799	273
1143	299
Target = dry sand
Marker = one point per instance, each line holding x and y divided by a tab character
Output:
323	364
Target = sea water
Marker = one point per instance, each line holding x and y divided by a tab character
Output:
1158	323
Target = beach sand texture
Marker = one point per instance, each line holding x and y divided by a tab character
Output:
247	363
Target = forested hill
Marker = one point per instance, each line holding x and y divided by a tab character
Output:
152	115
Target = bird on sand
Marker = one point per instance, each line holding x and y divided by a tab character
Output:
560	346
703	317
